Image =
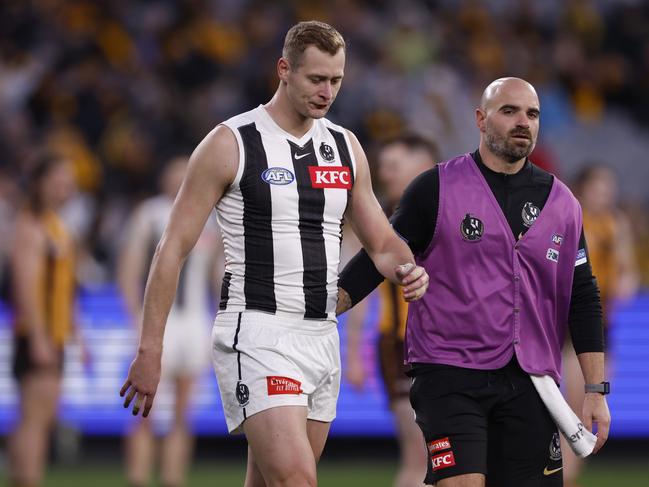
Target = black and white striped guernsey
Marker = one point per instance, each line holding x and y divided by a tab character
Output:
282	216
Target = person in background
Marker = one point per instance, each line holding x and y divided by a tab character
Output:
400	160
185	354
42	290
610	246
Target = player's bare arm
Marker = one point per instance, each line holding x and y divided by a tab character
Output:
390	254
595	409
26	260
212	168
132	262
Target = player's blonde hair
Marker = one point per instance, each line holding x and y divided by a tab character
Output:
310	33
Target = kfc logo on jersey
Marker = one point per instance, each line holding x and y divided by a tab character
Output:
436	445
444	460
330	177
283	385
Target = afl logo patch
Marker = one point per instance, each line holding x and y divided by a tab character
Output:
327	152
277	175
242	393
530	213
472	228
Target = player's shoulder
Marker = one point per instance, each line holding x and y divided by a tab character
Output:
328	124
243	118
28	227
339	130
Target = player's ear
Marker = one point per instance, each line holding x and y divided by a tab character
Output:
283	69
480	119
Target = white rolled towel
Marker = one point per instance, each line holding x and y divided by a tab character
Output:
579	438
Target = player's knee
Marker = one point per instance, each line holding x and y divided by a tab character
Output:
294	474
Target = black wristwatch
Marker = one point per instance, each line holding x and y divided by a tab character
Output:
603	388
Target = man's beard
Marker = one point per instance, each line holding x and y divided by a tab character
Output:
506	149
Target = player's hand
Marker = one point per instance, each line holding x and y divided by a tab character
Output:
355	372
595	411
142	382
414	280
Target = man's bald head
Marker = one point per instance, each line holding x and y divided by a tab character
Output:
508	119
503	87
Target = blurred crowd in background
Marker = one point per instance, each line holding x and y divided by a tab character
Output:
120	87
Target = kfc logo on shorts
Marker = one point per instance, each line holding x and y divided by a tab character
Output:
436	445
283	385
444	460
330	177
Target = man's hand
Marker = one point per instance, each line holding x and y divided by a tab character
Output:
595	411
414	280
142	382
355	372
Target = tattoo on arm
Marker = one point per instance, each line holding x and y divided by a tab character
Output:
344	301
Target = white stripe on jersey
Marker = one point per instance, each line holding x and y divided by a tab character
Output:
302	218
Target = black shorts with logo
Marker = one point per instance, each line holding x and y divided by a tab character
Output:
489	422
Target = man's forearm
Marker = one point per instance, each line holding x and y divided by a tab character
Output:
592	366
158	298
395	253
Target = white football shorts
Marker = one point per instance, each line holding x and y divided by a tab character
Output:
264	361
185	350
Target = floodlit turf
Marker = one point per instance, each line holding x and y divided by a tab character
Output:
331	474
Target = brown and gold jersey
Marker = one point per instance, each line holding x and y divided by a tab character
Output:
601	230
55	288
393	310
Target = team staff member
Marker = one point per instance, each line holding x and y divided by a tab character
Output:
281	177
399	161
503	243
43	289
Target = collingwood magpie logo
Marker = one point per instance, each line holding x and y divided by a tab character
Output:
327	152
472	228
242	393
555	447
530	213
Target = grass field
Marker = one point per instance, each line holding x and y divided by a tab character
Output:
331	474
